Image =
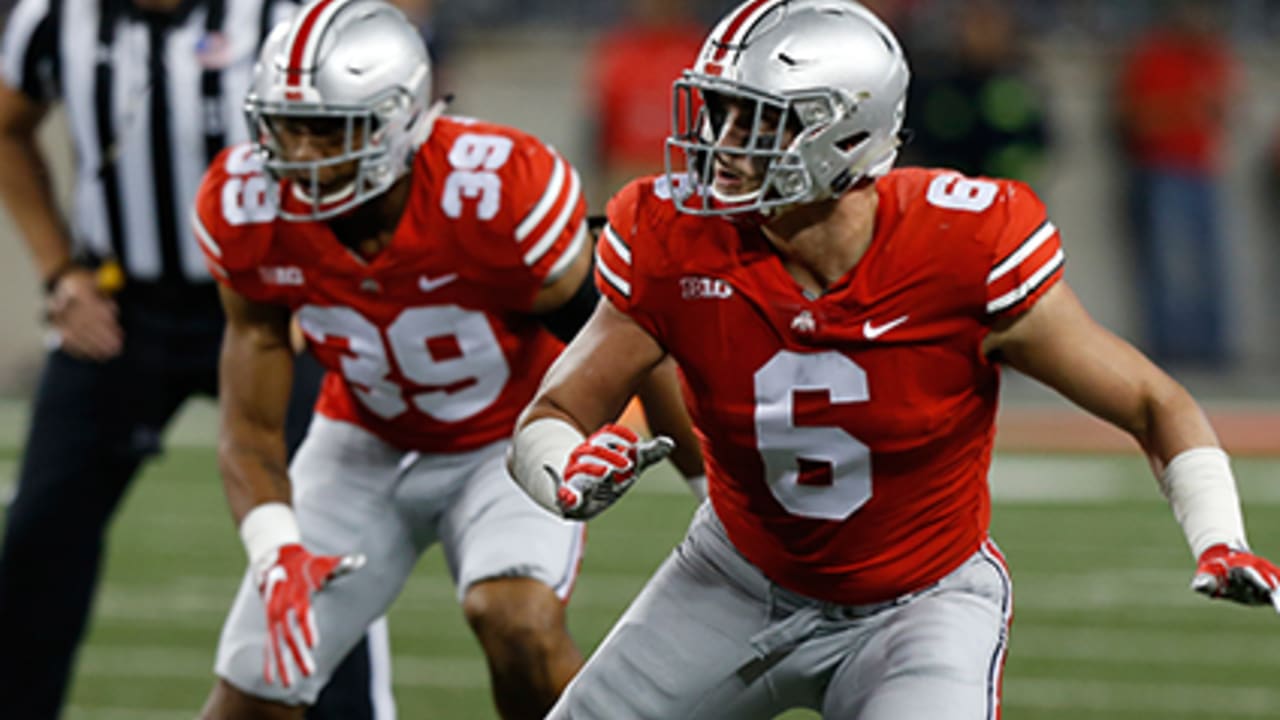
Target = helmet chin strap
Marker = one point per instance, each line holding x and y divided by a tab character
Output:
743	199
337	196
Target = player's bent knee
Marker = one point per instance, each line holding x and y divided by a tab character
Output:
227	702
518	611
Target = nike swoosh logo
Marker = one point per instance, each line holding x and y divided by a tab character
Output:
874	331
427	284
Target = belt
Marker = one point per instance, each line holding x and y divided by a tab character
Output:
807	615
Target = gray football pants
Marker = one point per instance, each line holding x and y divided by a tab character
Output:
354	493
711	637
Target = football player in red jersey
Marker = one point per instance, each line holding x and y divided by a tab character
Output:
435	264
840	327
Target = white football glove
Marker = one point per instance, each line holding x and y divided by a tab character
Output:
602	468
287	580
1237	575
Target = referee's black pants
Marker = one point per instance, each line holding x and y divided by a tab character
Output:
92	426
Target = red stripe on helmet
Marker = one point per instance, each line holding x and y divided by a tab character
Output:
740	17
293	72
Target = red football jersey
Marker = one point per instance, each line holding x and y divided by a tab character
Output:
847	437
429	345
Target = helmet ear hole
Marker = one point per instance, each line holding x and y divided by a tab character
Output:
847	144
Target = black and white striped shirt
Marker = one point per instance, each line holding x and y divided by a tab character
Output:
150	99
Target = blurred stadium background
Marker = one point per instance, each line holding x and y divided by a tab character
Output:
1105	626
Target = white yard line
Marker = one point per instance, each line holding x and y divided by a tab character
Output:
1116	697
80	712
1015	477
155	661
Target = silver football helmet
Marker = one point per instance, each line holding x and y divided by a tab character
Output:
824	85
352	65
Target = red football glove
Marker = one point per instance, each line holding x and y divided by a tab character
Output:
286	585
603	467
1237	575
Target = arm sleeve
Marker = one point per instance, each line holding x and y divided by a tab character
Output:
1027	253
30	55
565	321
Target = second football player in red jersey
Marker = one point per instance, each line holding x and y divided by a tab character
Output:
841	329
435	265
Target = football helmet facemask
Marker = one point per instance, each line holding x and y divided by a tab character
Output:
818	91
356	74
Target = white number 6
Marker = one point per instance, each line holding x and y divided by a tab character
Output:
956	192
784	445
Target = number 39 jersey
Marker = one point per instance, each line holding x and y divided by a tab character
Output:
847	437
429	345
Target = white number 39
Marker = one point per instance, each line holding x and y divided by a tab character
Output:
474	158
246	195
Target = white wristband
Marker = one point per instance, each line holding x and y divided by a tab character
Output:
265	528
698	486
543	442
1202	494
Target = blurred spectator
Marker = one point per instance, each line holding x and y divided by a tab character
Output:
900	15
1172	105
973	105
631	70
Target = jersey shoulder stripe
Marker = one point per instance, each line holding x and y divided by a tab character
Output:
615	254
575	247
1038	238
1035	280
613	262
565	200
1026	251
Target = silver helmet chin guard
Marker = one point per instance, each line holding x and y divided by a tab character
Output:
358	62
828	71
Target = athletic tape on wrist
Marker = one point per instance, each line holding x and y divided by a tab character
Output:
1202	493
698	486
267	527
543	442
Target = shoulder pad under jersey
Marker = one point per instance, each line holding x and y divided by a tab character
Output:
999	230
512	200
638	219
234	214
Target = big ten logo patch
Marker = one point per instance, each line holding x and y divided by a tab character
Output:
692	288
281	275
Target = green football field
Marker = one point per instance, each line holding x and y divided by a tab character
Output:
1105	626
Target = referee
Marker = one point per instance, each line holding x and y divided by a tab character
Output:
152	90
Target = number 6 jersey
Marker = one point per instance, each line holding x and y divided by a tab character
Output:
847	437
430	344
